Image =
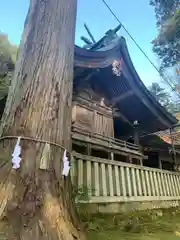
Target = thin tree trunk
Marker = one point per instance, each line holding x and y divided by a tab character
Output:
39	203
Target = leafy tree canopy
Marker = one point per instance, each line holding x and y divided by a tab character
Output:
8	54
167	43
164	98
164	9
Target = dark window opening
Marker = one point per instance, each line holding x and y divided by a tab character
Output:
167	165
136	161
152	161
120	158
79	149
99	153
130	140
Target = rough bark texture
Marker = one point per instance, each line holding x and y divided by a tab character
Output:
37	203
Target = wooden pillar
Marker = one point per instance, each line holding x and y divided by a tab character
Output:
160	164
141	161
130	159
112	156
173	148
89	149
136	132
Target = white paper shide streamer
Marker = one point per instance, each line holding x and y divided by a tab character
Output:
16	159
66	166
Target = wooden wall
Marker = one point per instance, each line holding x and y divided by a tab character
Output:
83	117
103	125
91	114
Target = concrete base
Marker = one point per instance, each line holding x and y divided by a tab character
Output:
92	208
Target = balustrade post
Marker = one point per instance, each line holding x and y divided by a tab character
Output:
110	180
122	170
117	180
96	175
129	186
104	184
143	183
80	173
88	176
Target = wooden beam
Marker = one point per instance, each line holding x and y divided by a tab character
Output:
115	100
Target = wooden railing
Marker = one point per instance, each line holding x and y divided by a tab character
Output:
112	181
109	140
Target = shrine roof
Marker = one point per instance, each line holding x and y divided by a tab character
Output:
168	138
126	92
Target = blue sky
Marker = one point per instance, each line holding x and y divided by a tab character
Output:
137	16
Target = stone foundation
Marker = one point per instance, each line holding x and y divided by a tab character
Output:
119	207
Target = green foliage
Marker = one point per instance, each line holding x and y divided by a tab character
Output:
136	225
167	43
7	50
159	93
164	9
83	193
170	31
8	53
164	98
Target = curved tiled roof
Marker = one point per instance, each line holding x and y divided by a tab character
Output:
141	105
174	137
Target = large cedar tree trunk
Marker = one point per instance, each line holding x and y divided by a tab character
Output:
38	204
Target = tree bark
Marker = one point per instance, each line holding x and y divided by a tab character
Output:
38	204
